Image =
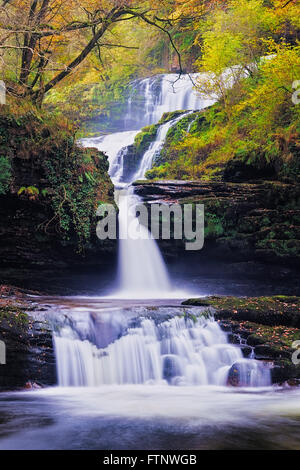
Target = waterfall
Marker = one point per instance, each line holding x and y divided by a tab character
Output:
111	144
154	149
142	272
151	97
184	350
180	348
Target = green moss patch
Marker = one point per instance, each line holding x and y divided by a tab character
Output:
13	316
144	138
271	311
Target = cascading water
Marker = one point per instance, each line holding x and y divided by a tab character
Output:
184	350
154	148
151	97
142	272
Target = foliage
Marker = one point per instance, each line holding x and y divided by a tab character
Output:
65	178
144	138
45	42
5	174
253	130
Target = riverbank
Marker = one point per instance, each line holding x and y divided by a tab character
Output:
29	354
266	326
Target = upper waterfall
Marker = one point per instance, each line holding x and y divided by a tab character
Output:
148	100
142	272
151	97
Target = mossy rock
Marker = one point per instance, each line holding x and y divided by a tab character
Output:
51	176
144	138
166	117
271	311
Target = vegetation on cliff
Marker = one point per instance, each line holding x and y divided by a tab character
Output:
251	54
78	58
46	169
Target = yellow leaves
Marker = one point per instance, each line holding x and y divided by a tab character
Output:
182	8
31	192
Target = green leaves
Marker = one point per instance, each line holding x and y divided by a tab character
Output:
29	190
5	174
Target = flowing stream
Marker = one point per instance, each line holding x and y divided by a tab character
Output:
180	350
147	374
142	272
172	346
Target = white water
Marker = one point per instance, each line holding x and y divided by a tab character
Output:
112	144
154	149
142	272
132	417
162	94
179	351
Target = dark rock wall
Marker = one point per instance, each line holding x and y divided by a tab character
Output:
30	356
244	223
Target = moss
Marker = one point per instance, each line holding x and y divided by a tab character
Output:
49	168
278	337
158	172
290	248
166	117
144	138
5	174
214	226
272	311
13	316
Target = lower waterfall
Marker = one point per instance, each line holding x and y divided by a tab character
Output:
183	350
142	272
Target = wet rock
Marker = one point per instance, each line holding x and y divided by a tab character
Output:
234	339
32	386
284	370
233	376
226	327
30	357
244	226
246	351
171	367
264	351
254	340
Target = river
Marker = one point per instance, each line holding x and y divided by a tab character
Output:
146	373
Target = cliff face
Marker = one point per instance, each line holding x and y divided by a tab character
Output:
29	354
49	194
250	223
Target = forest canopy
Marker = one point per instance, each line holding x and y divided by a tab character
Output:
43	42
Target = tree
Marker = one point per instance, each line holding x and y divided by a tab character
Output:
44	41
235	40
